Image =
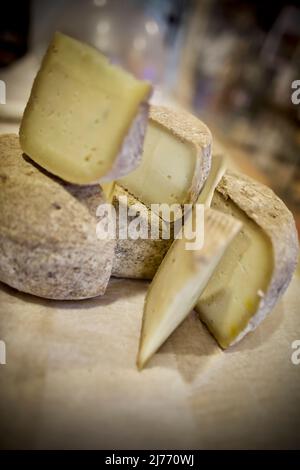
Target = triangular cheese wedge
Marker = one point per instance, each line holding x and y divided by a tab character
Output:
141	258
85	120
180	280
257	267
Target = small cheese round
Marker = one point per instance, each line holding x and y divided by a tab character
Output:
48	241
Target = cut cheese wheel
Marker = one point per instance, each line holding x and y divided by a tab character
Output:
138	258
180	279
48	231
85	120
258	265
175	163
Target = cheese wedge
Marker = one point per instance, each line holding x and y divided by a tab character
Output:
180	279
138	258
256	268
85	120
258	265
175	162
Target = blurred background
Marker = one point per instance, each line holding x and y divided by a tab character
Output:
231	62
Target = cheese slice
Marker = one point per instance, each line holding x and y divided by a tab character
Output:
218	168
175	162
141	258
258	265
85	119
180	279
241	280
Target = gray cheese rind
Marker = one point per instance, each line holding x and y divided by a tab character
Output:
48	241
137	259
270	213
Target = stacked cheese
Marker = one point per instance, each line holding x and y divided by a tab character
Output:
249	277
85	122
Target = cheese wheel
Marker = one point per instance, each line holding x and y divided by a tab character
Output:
48	241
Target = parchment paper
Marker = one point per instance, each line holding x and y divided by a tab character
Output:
70	380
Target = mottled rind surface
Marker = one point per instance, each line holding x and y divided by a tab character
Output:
190	129
137	259
262	205
130	154
48	242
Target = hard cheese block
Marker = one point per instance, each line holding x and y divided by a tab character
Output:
180	279
48	231
258	265
141	258
176	159
85	119
138	258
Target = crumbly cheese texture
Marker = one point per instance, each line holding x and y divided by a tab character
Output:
258	265
175	162
180	279
79	113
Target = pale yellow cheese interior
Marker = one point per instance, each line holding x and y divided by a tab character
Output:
217	170
81	108
167	169
179	281
166	295
234	291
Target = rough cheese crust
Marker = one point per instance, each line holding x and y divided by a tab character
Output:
189	129
137	259
48	242
130	154
262	205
